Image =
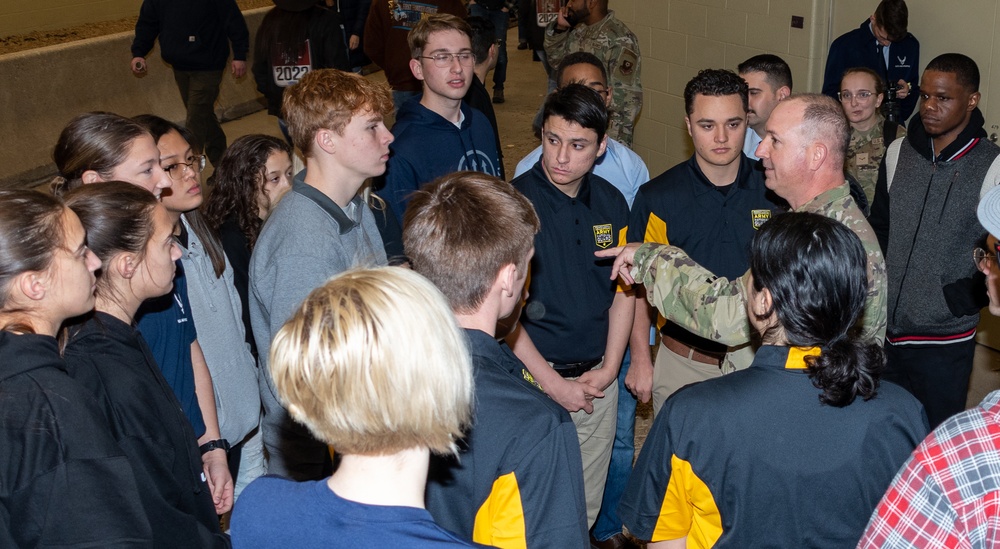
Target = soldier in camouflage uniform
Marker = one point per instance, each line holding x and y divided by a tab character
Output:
715	308
593	28
861	94
865	152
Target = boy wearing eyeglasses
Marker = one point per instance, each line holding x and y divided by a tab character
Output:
436	133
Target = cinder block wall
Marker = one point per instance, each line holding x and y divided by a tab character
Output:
49	86
22	16
680	37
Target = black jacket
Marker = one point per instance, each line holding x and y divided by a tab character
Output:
327	49
112	361
64	481
193	33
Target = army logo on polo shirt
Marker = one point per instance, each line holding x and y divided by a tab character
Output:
602	235
759	217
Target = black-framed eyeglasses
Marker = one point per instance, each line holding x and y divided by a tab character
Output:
176	171
442	60
983	258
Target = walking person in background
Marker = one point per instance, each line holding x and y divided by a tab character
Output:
295	37
195	38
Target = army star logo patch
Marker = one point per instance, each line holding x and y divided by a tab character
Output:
759	217
602	235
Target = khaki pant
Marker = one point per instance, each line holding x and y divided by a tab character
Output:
596	433
672	371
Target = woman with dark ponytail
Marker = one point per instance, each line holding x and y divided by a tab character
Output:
796	450
64	481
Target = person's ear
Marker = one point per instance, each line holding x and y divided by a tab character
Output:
34	284
91	176
603	146
324	139
125	264
506	278
417	69
878	100
687	122
973	101
763	308
784	92
818	153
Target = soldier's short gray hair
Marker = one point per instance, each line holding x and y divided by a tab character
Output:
823	120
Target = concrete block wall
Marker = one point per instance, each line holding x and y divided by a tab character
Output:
21	16
677	38
49	86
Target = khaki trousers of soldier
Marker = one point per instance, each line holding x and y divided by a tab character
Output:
596	434
672	371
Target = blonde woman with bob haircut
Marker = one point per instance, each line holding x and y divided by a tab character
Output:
385	389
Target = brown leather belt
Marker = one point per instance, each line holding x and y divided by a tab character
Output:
683	349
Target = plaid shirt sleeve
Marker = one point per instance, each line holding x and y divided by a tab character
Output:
948	492
915	512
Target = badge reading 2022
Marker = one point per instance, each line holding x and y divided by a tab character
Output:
602	235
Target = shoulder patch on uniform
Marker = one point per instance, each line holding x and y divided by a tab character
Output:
602	235
759	217
627	62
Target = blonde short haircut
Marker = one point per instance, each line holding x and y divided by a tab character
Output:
329	98
373	363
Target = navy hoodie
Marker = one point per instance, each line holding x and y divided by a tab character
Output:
428	146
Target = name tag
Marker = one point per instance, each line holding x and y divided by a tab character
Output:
288	70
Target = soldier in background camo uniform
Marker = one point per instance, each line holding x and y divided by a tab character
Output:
861	93
715	308
594	29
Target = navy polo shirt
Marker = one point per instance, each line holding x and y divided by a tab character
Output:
683	208
754	456
570	289
166	325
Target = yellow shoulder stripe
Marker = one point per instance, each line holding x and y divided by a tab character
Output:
688	509
500	520
656	230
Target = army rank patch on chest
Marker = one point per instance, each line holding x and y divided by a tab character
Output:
759	217
602	235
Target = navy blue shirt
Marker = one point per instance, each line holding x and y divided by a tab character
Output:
166	325
858	48
570	289
757	452
683	208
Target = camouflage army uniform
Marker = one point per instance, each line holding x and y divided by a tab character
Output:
612	42
865	153
715	308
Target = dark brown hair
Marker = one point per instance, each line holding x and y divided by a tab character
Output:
118	217
209	239
98	141
239	180
30	233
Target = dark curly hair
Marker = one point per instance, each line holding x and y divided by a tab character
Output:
716	82
816	271
239	179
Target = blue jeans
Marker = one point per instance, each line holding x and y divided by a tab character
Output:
622	452
500	21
